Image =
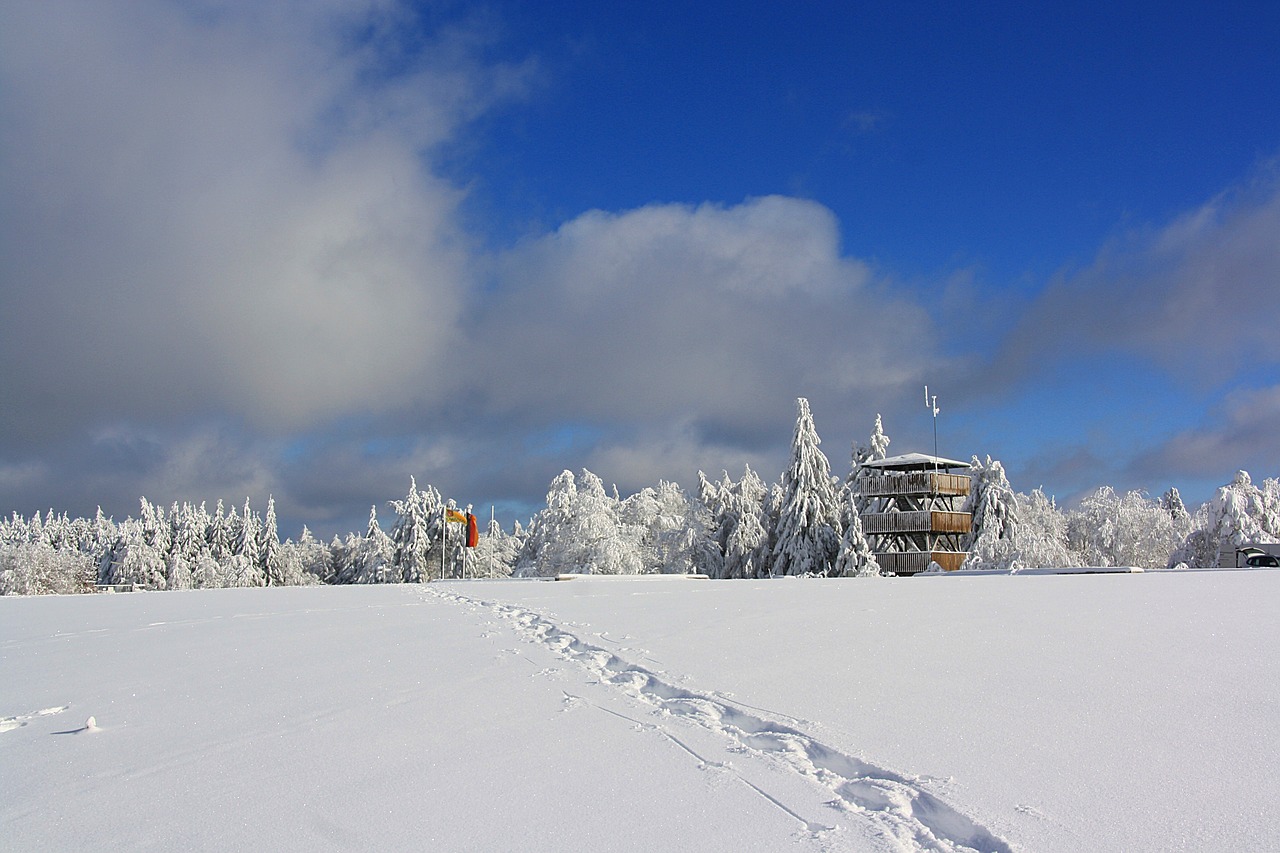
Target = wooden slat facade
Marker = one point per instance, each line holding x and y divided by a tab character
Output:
914	562
928	521
915	483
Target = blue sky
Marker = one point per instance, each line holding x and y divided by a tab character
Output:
311	249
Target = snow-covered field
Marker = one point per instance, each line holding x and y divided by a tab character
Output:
1045	713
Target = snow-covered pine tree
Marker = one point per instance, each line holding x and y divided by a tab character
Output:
738	527
269	546
855	558
1171	502
217	535
993	535
133	561
877	448
370	557
308	559
242	569
155	530
416	534
808	532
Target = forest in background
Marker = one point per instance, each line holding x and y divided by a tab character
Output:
807	523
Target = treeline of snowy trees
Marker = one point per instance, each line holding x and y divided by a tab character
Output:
1012	531
805	524
188	547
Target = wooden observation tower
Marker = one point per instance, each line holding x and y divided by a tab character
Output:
912	512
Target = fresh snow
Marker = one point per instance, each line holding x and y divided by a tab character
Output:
1001	712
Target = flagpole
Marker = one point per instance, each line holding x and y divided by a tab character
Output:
444	524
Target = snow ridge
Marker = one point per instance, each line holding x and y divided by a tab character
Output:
897	808
19	720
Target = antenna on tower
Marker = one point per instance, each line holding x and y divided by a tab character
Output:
932	404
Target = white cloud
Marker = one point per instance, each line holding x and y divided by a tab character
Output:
1241	434
672	313
228	209
1198	296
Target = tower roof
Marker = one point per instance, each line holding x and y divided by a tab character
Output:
915	462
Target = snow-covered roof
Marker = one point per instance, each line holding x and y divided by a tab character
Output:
914	462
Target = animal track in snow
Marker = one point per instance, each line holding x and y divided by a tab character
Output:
898	807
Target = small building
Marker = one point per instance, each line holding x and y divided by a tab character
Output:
911	514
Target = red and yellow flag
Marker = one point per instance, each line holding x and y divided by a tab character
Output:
455	516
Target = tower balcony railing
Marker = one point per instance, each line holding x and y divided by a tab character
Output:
926	521
914	483
914	562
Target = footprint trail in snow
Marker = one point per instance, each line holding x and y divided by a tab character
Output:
897	809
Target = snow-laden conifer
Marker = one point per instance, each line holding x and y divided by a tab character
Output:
992	541
876	448
269	546
855	558
216	534
370	558
739	527
416	535
808	531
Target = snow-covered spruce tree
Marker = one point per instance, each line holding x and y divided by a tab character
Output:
307	561
178	574
318	558
708	514
992	541
808	531
1171	502
186	535
734	526
242	569
879	441
217	535
876	448
155	529
855	559
416	534
748	550
370	558
134	561
269	546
